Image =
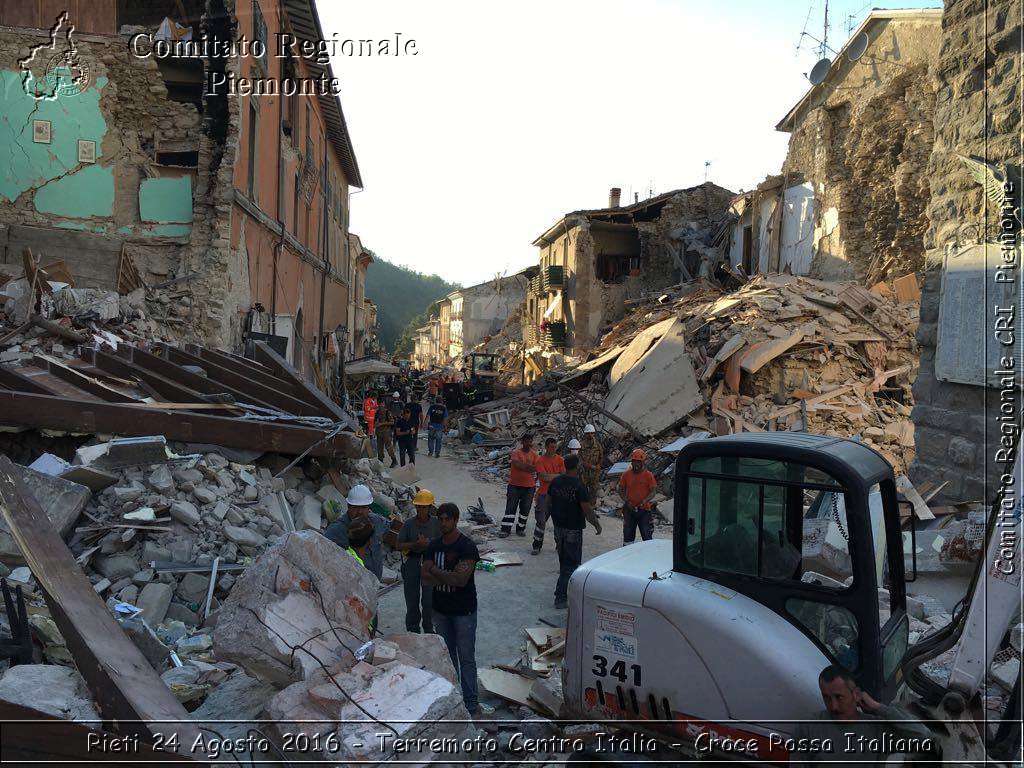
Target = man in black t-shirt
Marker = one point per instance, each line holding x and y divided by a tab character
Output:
449	564
416	415
406	437
570	512
437	422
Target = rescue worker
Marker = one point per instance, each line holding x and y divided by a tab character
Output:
359	500
416	534
522	483
591	460
637	487
385	428
360	534
396	405
574	447
549	466
436	418
571	510
405	431
370	407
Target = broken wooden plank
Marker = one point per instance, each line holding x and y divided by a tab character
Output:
904	486
121	680
761	354
510	686
80	416
723	354
284	370
906	288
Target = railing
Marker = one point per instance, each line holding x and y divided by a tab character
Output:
536	285
554	334
553	277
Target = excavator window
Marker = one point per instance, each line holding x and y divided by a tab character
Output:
769	519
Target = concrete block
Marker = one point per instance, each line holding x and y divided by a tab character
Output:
116	567
272	608
185	512
61	500
55	690
154	600
307	514
192	588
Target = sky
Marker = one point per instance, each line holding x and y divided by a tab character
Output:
512	114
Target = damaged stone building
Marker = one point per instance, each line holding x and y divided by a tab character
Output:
114	159
971	307
852	197
592	261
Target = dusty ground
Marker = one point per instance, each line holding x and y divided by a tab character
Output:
512	597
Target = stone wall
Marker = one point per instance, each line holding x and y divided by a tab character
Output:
977	81
863	140
173	219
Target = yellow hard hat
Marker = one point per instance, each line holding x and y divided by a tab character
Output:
423	498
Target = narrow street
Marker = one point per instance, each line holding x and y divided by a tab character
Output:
512	597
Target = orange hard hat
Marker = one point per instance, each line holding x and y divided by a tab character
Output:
638	455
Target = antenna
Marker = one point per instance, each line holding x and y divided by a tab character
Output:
707	165
824	38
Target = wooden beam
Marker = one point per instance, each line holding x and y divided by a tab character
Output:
80	380
164	387
244	383
284	370
19	382
62	413
121	680
607	414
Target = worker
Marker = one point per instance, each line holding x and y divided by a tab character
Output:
436	419
385	427
855	729
406	437
549	466
417	532
571	510
574	447
637	487
370	411
591	461
469	393
522	482
415	407
396	404
448	566
360	534
359	500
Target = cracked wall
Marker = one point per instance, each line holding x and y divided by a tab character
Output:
863	142
160	185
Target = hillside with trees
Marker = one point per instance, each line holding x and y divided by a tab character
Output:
402	296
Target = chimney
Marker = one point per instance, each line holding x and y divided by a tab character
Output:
613	197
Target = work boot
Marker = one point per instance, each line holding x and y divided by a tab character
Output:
503	534
535	551
520	532
561	602
393	464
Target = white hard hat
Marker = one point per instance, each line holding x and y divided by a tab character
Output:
395	394
589	429
574	445
360	496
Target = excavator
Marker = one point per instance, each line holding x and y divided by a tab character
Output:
787	556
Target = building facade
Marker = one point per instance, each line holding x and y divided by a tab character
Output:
242	198
480	311
852	197
592	261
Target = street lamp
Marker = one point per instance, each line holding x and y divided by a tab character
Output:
341	332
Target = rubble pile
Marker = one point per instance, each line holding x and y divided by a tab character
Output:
84	315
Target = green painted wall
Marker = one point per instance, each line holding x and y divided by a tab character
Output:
166	200
89	192
25	164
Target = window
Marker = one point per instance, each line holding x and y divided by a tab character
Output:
767	519
254	121
290	122
834	626
259	32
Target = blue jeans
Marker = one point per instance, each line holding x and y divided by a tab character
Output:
569	546
459	633
435	433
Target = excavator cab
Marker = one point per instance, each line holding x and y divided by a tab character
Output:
808	526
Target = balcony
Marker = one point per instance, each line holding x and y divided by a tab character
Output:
553	278
554	334
530	334
536	285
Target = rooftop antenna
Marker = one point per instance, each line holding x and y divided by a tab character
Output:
820	70
707	165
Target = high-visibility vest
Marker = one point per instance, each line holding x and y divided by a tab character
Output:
355	555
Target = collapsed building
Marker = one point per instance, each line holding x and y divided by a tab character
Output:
122	162
593	261
851	200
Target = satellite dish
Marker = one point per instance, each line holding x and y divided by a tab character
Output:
820	71
858	45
